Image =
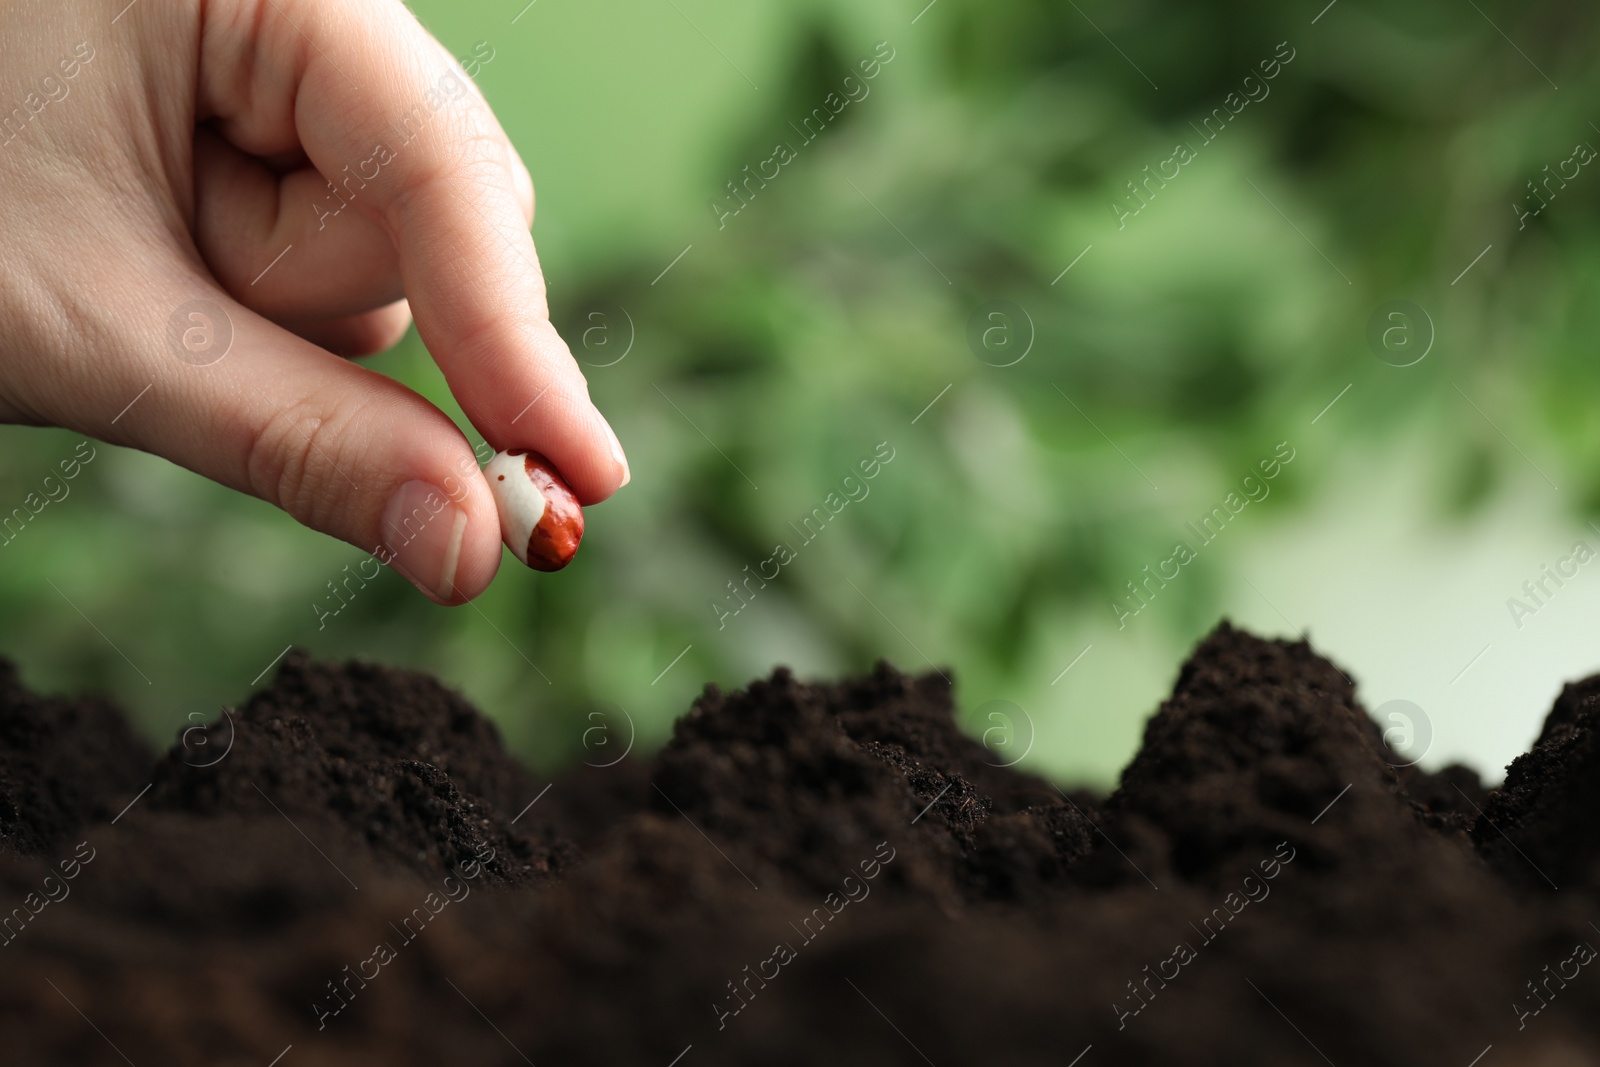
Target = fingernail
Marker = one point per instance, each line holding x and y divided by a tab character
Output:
423	531
616	451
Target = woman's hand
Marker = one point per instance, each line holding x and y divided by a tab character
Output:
205	205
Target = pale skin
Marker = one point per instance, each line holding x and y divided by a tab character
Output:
194	146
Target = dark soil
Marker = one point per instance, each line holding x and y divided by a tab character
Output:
346	871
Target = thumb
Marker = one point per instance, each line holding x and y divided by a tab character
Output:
342	449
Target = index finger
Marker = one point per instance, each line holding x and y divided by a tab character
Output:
382	110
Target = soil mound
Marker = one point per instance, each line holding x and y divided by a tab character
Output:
63	763
393	760
347	870
1539	829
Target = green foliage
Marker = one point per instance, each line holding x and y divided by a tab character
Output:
820	320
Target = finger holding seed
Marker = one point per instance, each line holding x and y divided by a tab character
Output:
540	519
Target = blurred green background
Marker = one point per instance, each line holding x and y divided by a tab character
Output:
848	304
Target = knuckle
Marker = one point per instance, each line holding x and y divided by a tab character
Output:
291	462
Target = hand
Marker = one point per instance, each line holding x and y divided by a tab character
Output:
171	241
